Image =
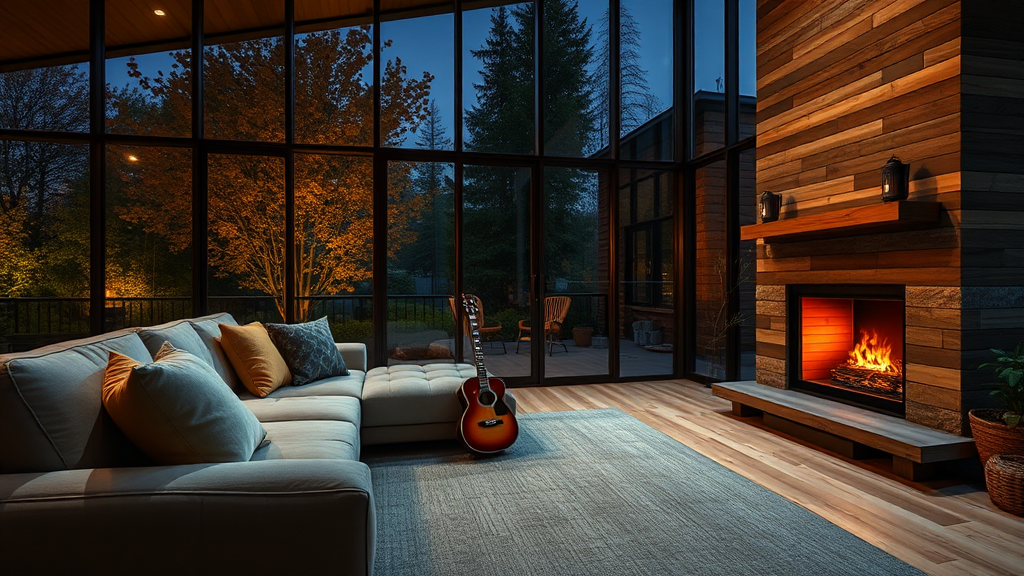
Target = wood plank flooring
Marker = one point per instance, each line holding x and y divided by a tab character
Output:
944	527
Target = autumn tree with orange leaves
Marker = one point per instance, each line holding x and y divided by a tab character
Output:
244	100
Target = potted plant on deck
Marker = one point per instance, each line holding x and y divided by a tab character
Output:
1002	431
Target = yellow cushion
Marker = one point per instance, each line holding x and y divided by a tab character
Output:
260	367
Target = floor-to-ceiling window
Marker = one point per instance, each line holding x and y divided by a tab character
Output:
285	160
720	175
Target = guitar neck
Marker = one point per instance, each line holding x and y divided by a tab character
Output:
478	350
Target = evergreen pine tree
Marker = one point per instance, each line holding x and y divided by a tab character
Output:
497	199
431	254
638	104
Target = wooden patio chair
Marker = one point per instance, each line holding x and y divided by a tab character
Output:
555	309
487	333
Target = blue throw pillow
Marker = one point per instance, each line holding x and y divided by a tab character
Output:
309	350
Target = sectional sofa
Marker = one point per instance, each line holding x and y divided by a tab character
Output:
76	497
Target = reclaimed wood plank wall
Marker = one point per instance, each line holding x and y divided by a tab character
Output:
842	86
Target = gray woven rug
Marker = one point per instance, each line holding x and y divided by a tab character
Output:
596	492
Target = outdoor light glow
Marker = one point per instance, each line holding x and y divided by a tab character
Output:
133	158
159	12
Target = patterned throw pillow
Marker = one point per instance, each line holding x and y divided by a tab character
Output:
309	350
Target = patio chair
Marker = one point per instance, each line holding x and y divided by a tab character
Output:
487	333
555	309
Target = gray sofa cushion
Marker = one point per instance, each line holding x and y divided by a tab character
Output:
209	331
340	408
409	394
181	335
309	350
51	415
351	385
178	411
309	439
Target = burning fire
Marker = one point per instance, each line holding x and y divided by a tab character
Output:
874	353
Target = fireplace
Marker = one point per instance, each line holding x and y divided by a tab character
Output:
848	344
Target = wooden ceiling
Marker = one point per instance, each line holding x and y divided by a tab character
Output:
49	32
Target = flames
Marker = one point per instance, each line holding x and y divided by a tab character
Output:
874	353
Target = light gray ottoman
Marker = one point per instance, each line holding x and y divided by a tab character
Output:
410	403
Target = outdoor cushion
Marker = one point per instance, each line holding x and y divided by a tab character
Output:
309	439
255	358
51	416
309	350
181	335
177	409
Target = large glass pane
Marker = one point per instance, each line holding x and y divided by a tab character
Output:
496	260
747	280
44	243
712	288
39	88
748	67
645	57
421	258
149	68
149	235
334	243
575	77
708	75
417	98
576	269
246	237
497	80
334	74
647	328
243	74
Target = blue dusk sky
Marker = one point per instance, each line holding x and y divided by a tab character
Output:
427	44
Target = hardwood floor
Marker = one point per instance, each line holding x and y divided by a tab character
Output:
944	527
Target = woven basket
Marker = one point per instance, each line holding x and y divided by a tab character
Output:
1004	475
992	436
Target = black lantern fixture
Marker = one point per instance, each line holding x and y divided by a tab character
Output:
895	180
771	205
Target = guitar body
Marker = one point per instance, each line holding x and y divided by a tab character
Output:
487	425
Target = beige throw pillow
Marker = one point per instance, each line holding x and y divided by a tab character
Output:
259	365
178	411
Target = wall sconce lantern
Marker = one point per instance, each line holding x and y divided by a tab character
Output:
771	205
895	180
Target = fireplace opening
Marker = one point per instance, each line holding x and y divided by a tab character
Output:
849	345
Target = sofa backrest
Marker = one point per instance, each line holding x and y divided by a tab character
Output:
51	412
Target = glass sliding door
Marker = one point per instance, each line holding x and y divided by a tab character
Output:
421	261
647	329
575	305
496	250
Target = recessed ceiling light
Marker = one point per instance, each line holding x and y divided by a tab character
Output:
133	158
159	12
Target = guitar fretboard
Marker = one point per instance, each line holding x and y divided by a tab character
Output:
478	349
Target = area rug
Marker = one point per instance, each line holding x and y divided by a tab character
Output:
596	492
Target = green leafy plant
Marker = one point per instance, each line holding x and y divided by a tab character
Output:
1009	368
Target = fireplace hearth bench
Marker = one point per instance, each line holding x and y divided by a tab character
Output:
75	496
917	451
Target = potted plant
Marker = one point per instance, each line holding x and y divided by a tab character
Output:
1002	431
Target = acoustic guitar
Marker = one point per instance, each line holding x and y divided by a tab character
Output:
487	425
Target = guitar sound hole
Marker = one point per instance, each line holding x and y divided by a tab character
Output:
487	398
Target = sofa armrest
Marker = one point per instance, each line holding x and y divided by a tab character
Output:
266	517
354	354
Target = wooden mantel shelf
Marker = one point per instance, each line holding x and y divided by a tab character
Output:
888	217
